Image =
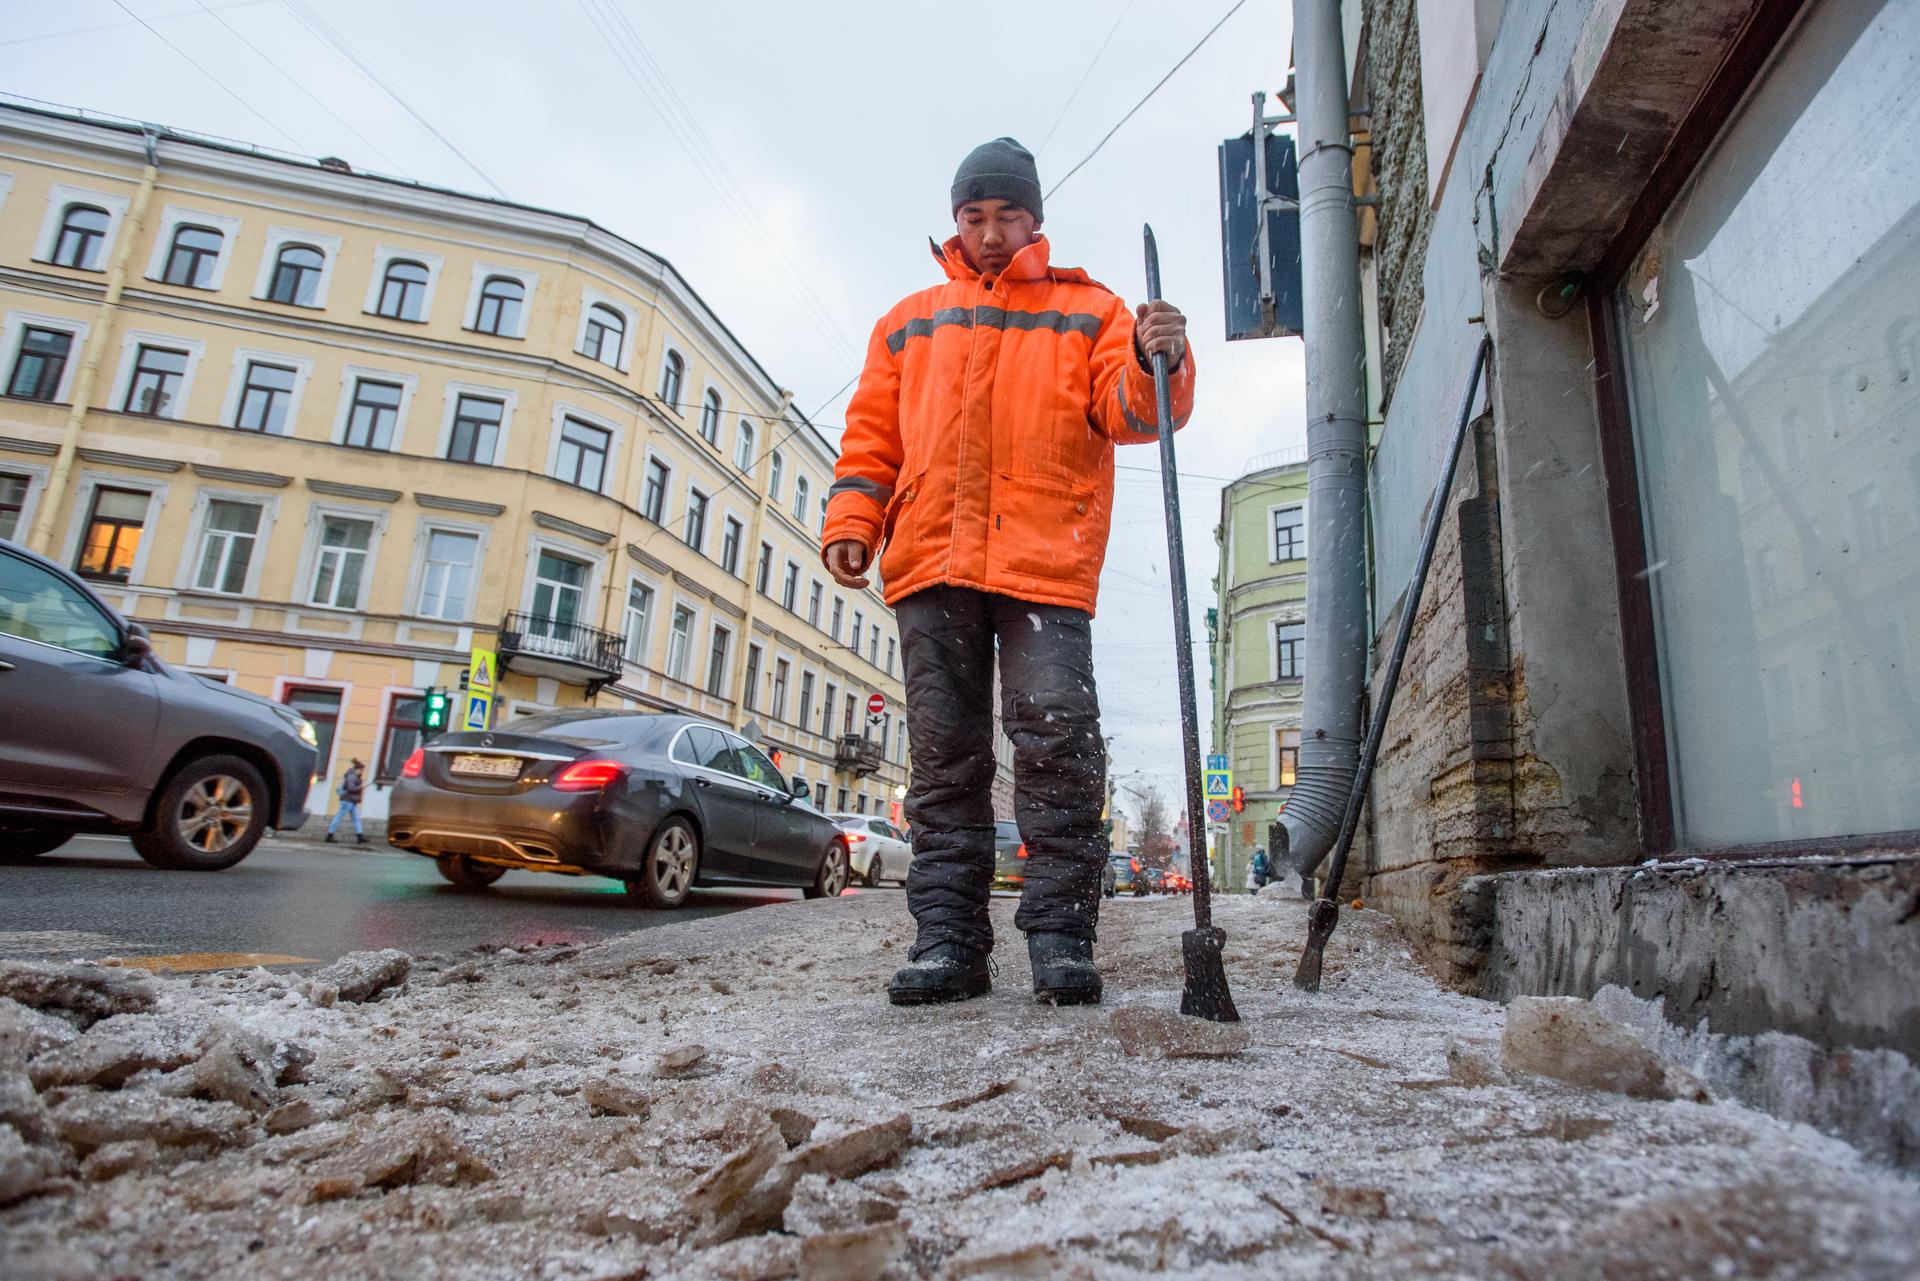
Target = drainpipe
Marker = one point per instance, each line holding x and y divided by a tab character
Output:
1336	626
40	539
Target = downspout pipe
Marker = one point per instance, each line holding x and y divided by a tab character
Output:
1336	624
99	340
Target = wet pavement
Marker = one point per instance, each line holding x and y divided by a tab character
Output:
302	901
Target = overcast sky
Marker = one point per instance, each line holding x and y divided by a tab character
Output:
841	125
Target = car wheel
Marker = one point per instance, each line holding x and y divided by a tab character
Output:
831	880
468	874
666	873
875	870
18	847
208	816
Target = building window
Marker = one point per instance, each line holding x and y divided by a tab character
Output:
900	742
83	233
730	546
820	795
743	446
679	642
403	291
476	429
750	696
890	649
826	709
710	418
859	622
373	415
773	476
403	734
806	700
1286	746
886	729
1289	533
501	301
1289	645
653	493
226	546
763	572
781	670
446	585
606	334
266	397
873	646
191	260
840	798
695	533
846	726
41	364
790	587
559	589
673	375
321	707
813	602
860	803
582	459
296	275
639	613
13	501
717	661
836	619
823	516
157	375
342	563
800	498
114	526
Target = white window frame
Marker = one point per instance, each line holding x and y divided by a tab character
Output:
59	196
130	346
13	332
802	490
172	218
739	570
726	682
36	477
669	348
706	517
1274	623
84	485
484	271
450	404
779	713
279	238
645	658
595	560
816	602
424	528
383	257
302	367
791	570
808	687
351	374
310	554
751	440
1275	730
1273	513
588	297
190	554
650	456
710	387
563	411
694	612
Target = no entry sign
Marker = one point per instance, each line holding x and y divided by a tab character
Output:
876	704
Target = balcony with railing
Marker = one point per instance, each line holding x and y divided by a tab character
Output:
857	755
535	645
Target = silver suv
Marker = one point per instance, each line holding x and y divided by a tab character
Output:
98	735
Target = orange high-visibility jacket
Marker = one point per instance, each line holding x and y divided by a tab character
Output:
979	446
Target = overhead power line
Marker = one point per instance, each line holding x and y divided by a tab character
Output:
1097	54
121	26
220	84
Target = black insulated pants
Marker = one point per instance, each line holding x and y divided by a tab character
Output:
1052	716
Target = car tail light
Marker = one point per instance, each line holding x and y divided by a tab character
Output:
855	838
414	764
589	776
1022	851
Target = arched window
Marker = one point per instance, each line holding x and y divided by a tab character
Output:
710	418
773	476
83	230
606	331
403	293
501	298
743	447
296	275
799	497
191	261
673	373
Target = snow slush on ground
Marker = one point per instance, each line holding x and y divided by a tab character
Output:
733	1098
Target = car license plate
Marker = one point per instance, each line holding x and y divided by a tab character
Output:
487	766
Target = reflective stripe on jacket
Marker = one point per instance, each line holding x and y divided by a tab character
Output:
979	447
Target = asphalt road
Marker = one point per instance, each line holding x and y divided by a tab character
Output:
94	897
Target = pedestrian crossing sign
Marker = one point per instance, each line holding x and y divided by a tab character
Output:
1219	784
480	672
479	711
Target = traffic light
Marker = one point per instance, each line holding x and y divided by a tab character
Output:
1239	798
433	715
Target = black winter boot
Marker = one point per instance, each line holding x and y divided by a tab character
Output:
360	838
329	839
944	972
1063	971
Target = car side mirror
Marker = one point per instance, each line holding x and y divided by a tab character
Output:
798	786
136	648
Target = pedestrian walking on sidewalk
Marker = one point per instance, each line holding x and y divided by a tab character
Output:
1260	870
976	473
352	788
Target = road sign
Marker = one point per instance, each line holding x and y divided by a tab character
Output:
1219	784
479	711
1218	761
1216	811
480	672
876	703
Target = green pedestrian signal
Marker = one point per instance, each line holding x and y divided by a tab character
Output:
433	717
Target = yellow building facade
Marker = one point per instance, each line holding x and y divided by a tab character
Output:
324	433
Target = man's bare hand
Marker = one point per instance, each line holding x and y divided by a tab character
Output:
1159	326
847	561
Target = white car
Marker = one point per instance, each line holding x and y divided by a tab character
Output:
876	848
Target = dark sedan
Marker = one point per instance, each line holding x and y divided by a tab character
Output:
98	735
662	802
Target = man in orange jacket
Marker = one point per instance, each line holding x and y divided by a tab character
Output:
978	463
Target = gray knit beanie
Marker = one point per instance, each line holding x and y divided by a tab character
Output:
998	170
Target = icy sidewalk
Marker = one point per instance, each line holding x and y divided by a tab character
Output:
733	1098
